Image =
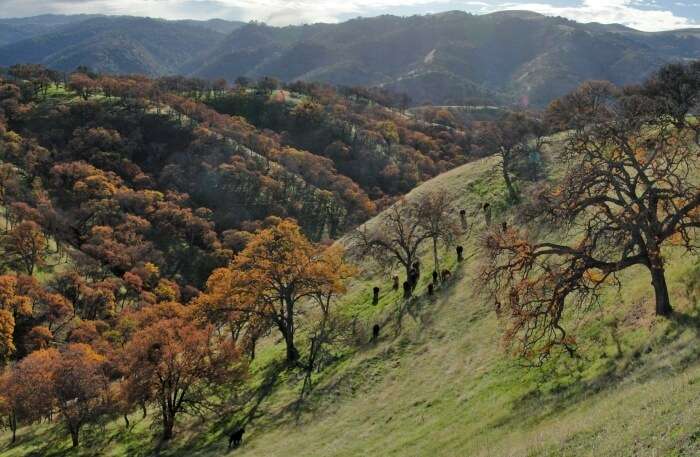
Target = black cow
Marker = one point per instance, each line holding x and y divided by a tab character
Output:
235	439
407	289
375	332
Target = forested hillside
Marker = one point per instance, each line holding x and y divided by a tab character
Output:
132	170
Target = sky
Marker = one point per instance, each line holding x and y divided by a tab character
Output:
648	15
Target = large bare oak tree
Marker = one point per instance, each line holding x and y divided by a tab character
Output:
630	187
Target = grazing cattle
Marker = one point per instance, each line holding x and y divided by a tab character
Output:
413	279
375	332
407	290
463	218
235	438
395	286
416	268
487	213
375	295
460	253
446	275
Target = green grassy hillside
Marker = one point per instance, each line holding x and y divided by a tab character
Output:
439	383
444	385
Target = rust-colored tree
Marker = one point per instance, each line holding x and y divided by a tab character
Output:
27	389
8	406
227	303
83	85
627	191
26	247
13	305
278	268
80	387
172	364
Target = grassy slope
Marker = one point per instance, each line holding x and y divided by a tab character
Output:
444	387
438	383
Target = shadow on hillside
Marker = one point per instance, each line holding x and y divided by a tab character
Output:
53	440
422	307
656	359
244	410
392	344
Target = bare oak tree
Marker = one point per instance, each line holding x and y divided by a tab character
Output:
395	238
674	90
628	190
512	138
436	218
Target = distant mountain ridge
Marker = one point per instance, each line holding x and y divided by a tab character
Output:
451	58
17	29
118	44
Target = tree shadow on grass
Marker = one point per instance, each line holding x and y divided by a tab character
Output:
54	441
242	413
421	308
638	364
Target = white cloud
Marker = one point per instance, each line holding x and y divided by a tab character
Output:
626	12
641	14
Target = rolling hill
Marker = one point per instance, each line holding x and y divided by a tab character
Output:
126	186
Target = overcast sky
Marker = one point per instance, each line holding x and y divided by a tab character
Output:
641	14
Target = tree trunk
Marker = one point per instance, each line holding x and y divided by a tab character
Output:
74	435
287	329
408	266
512	194
13	426
436	260
658	280
253	343
168	423
292	352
